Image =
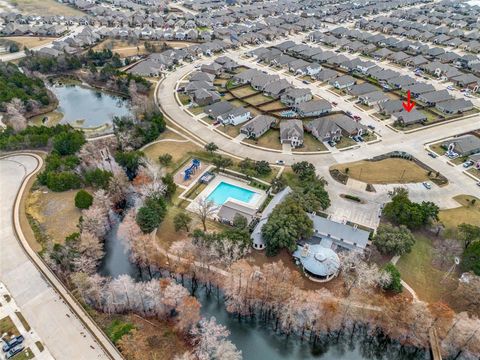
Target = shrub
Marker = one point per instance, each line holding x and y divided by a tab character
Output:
471	258
62	181
98	178
83	199
68	143
395	282
117	329
165	159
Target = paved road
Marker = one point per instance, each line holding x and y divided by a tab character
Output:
365	214
74	30
53	320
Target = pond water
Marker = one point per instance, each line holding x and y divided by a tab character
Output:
116	260
86	107
258	341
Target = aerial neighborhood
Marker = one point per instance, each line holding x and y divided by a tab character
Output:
237	179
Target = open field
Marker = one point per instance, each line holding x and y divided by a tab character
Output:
466	213
44	8
30	41
417	271
8	327
178	150
55	211
268	140
387	171
276	105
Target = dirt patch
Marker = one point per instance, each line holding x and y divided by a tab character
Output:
30	41
55	212
45	8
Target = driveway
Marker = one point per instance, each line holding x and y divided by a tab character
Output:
63	334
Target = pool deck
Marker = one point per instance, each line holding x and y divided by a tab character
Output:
255	202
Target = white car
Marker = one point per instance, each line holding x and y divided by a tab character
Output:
280	162
427	185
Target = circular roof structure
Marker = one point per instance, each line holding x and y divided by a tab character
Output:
318	260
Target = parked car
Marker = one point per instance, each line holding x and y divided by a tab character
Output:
216	123
306	82
332	143
432	155
280	162
12	342
356	117
371	127
427	185
334	103
14	351
450	87
478	183
467	164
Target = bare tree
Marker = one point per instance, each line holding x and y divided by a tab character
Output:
204	209
16	114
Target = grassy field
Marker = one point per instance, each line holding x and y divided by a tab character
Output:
29	41
387	171
44	8
466	213
8	327
178	150
276	105
268	140
417	271
55	211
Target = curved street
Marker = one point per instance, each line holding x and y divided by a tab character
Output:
365	214
57	323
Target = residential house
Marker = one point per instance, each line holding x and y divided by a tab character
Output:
420	88
326	75
212	68
276	88
454	106
361	89
464	145
291	132
408	118
324	129
235	116
434	97
218	109
201	76
204	97
373	98
313	108
389	107
343	82
295	96
469	81
349	126
258	126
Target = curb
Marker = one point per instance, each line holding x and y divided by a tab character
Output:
99	336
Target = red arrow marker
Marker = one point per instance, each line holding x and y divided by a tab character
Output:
408	106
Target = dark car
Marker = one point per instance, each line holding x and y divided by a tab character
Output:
12	342
432	155
14	351
371	127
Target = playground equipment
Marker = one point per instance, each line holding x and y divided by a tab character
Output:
191	169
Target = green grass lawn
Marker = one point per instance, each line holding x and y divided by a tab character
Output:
466	213
417	271
310	143
344	142
268	140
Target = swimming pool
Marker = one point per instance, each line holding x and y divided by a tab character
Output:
224	190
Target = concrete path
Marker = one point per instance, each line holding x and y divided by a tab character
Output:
60	326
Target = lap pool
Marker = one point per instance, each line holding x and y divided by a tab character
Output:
224	190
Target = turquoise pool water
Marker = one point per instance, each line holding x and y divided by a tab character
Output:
224	190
